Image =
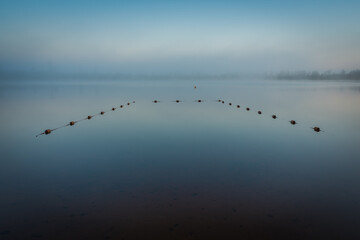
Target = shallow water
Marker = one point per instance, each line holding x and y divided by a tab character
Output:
183	170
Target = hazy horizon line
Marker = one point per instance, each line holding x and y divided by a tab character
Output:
285	74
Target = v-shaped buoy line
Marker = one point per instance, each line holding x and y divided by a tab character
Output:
72	123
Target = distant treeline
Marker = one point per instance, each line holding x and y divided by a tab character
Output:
315	75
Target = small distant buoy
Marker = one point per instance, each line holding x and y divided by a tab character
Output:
47	131
121	106
219	100
89	117
259	112
199	100
102	113
128	103
155	101
195	86
222	102
133	101
177	101
230	104
72	123
247	109
316	129
274	116
293	122
113	109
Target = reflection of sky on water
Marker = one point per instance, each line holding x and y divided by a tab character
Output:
205	155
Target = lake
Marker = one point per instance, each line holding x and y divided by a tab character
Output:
186	170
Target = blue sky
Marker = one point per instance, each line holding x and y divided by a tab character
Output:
179	36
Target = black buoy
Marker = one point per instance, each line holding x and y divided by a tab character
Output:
121	106
102	113
199	100
316	129
274	116
177	101
155	101
47	131
128	103
222	102
72	123
259	112
238	106
113	109
230	104
219	100
89	117
195	86
133	101
293	122
247	109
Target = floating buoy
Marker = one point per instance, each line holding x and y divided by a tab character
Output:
195	86
316	129
72	123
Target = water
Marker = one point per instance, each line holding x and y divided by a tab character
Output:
183	170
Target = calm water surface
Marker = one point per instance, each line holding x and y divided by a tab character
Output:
183	170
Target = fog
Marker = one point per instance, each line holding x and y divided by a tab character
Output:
173	38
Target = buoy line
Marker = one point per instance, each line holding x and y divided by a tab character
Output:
89	117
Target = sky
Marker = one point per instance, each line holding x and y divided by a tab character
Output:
170	37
